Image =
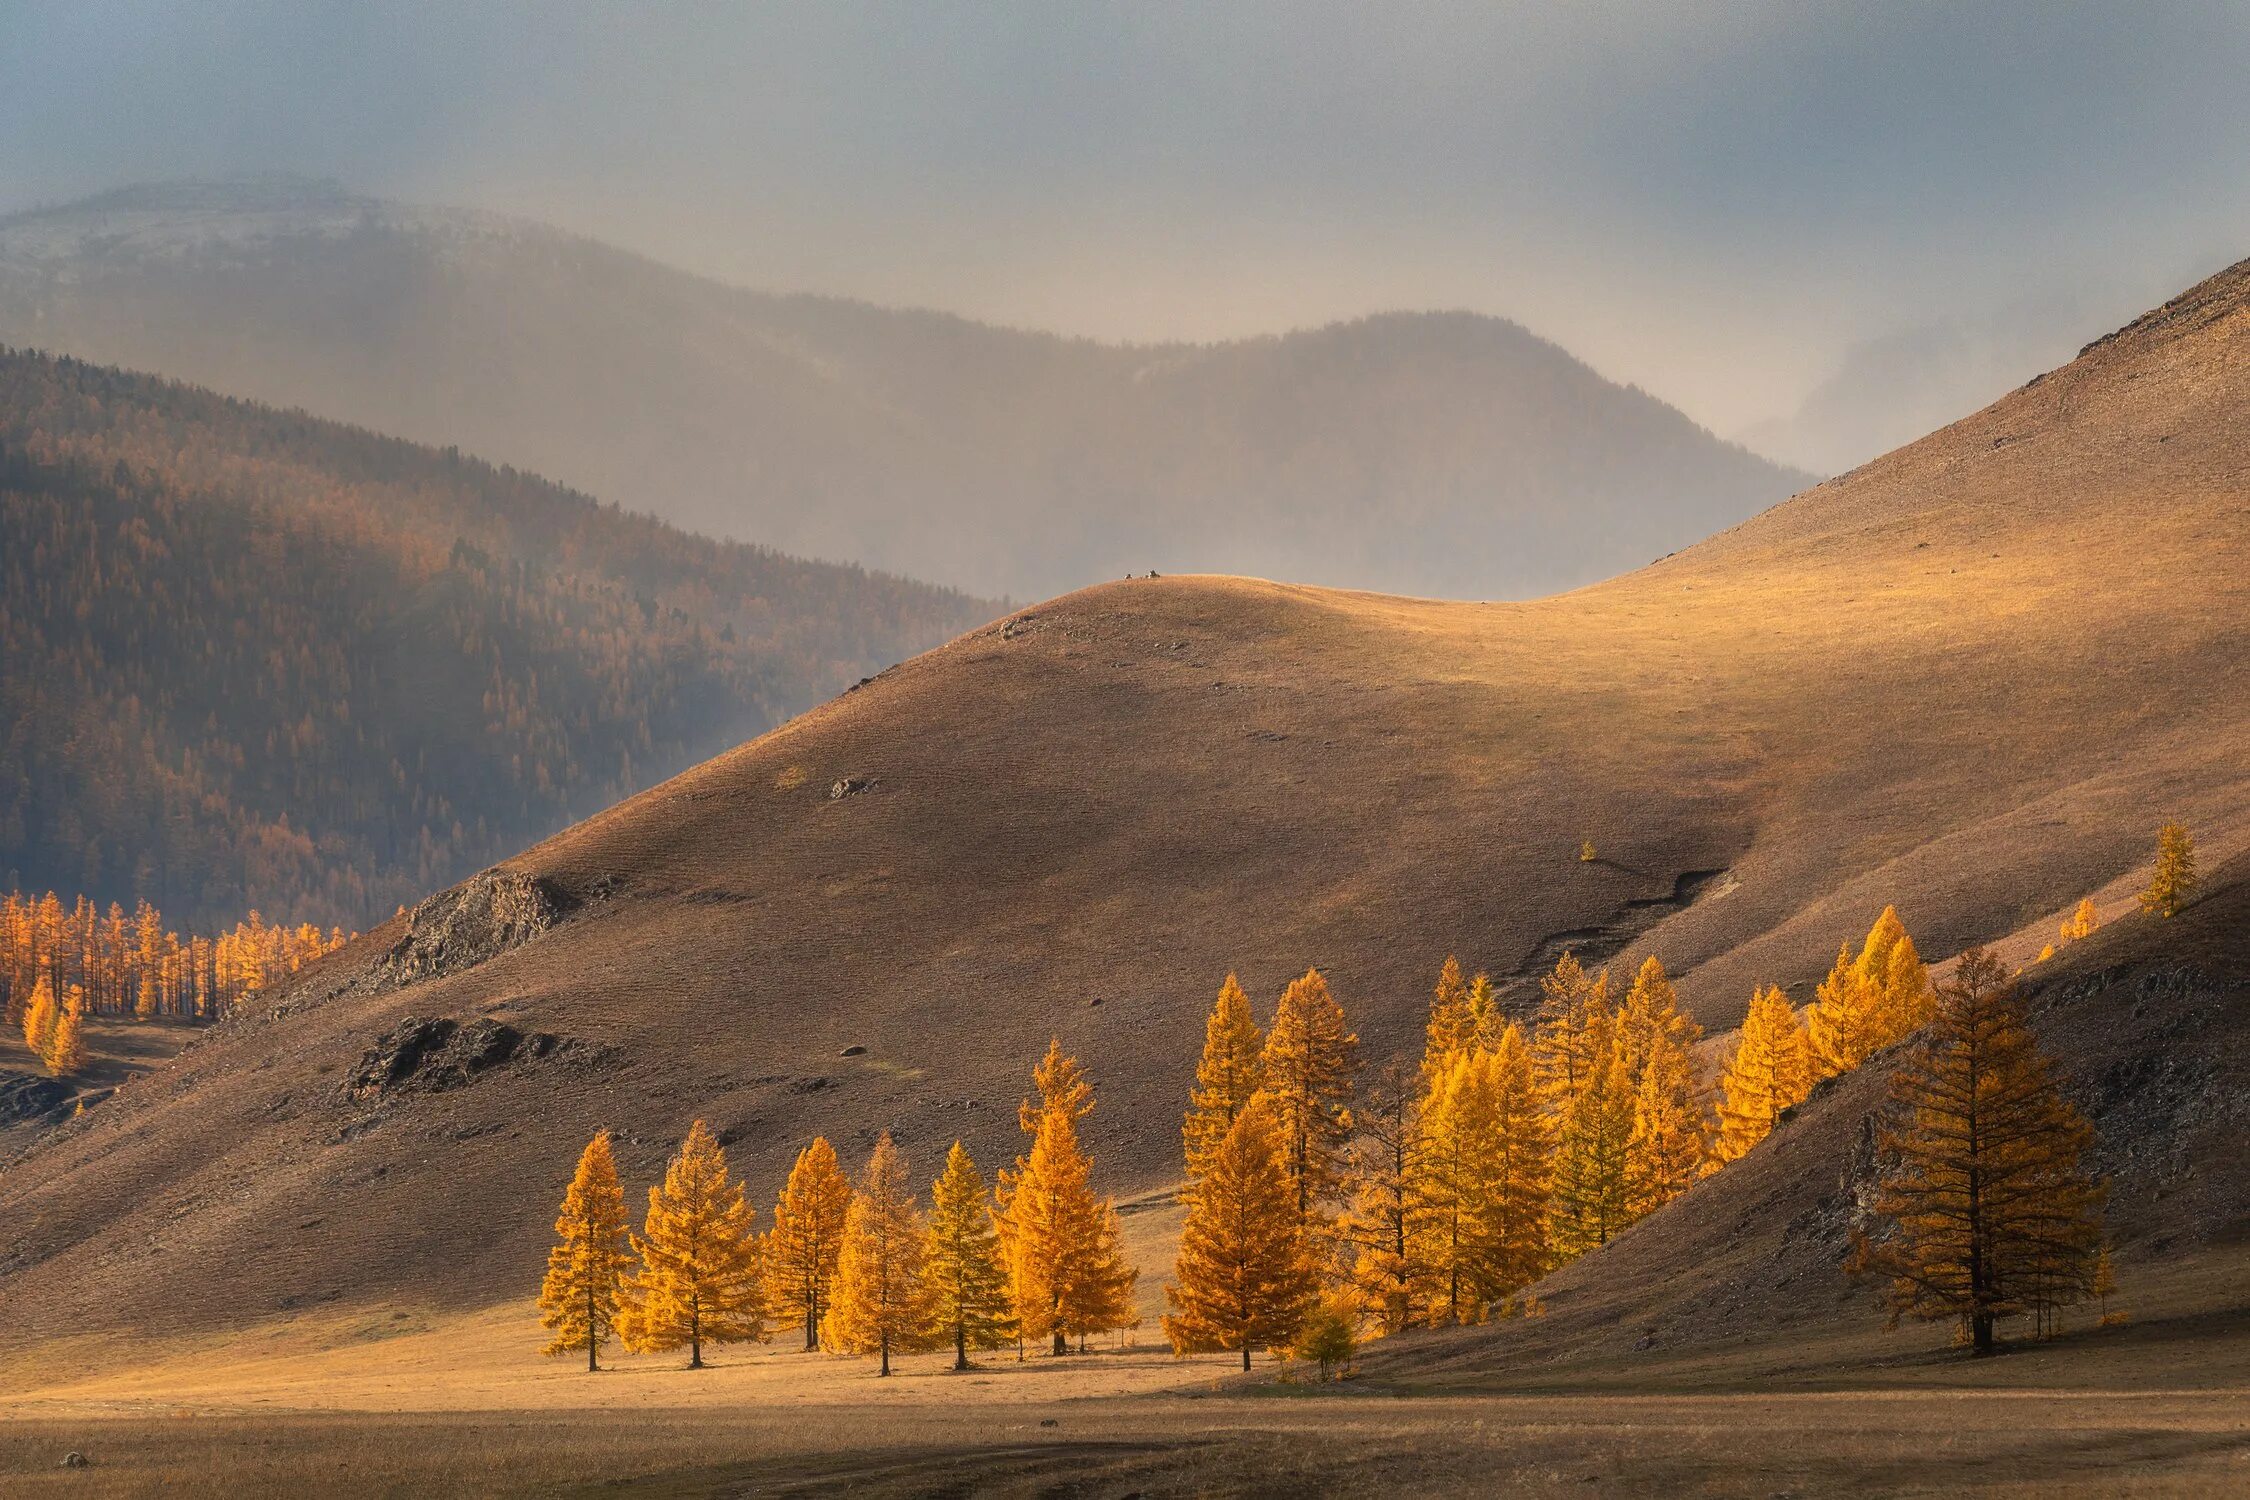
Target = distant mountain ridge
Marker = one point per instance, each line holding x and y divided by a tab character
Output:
1431	453
251	659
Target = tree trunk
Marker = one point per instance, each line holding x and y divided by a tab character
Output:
812	1327
1980	1332
1246	1358
885	1345
1062	1340
960	1346
593	1332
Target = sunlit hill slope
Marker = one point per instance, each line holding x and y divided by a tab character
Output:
1969	678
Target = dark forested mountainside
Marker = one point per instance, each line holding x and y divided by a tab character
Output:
1425	453
252	659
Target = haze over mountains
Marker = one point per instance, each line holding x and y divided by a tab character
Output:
1441	454
251	659
1968	678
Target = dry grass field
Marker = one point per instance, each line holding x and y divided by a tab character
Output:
1970	678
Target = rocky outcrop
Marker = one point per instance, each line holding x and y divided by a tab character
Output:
432	1056
479	919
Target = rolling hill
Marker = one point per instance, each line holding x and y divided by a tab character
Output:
1969	678
250	659
1439	454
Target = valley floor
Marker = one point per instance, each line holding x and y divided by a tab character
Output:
399	1403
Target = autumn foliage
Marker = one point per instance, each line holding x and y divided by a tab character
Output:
586	1270
699	1280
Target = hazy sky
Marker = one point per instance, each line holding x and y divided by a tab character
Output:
1713	200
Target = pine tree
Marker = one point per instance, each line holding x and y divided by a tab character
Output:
880	1303
65	1052
800	1251
1991	1207
1486	1228
2175	879
1310	1058
700	1280
1389	1180
1450	1028
1770	1071
1591	1196
962	1264
1225	1078
578	1302
1844	1020
1066	1270
1571	1042
1244	1277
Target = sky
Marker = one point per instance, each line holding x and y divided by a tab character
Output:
1720	202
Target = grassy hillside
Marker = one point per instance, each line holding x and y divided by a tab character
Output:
1445	454
249	659
1970	679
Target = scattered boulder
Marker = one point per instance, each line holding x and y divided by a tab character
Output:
74	1461
854	1050
481	918
430	1057
850	786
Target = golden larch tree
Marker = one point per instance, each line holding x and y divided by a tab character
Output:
1992	1211
1770	1070
881	1303
65	1051
1485	1228
1450	1029
2174	880
2082	922
1310	1058
1225	1077
578	1302
1592	1197
962	1267
1908	1000
1571	1034
1389	1200
800	1251
1671	1134
1651	1016
1066	1270
1844	1022
699	1280
1244	1276
39	1015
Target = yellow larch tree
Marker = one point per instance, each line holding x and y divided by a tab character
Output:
800	1251
1770	1070
65	1051
1485	1226
1389	1200
962	1266
1991	1208
1449	1029
1844	1022
880	1304
1650	1017
1671	1136
699	1280
1310	1058
1225	1077
1592	1199
1571	1035
39	1015
1244	1277
578	1301
1066	1270
2082	922
2174	880
1908	1000
1486	1020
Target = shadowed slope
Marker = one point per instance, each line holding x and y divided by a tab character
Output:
1970	679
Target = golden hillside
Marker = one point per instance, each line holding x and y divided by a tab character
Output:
1969	678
